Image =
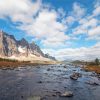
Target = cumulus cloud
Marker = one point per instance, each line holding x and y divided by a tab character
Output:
47	29
70	20
86	24
37	19
76	14
78	10
94	31
82	53
19	10
89	26
96	11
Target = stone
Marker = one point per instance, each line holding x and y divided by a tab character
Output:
92	83
39	82
75	76
48	69
67	94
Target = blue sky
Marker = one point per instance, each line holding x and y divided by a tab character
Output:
66	29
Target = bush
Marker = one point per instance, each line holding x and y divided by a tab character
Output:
97	61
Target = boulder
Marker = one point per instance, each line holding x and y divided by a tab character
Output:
75	76
92	83
67	94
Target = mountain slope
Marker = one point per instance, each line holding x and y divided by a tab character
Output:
22	50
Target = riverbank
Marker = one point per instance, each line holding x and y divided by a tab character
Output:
14	64
94	68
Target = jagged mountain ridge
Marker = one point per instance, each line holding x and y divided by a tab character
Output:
9	46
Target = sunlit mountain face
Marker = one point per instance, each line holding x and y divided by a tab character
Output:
66	29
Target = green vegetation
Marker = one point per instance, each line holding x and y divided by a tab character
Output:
8	60
97	61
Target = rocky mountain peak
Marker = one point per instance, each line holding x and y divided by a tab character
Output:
9	46
23	43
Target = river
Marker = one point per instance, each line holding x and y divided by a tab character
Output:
43	82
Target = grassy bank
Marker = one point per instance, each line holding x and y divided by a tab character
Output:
16	63
94	68
7	60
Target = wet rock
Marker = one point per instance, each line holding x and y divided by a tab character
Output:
65	66
98	75
92	83
54	95
48	69
8	68
75	76
93	74
58	93
46	73
59	70
4	68
43	98
39	82
74	70
67	94
38	66
21	96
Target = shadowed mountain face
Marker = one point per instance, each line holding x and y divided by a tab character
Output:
9	46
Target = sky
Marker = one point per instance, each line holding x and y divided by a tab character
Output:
66	29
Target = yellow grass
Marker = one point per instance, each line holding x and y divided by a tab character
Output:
93	68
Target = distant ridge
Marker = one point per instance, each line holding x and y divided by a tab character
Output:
12	48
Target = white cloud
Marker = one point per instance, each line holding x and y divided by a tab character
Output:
19	10
55	42
78	11
37	19
82	53
70	20
94	31
96	11
86	24
90	23
47	29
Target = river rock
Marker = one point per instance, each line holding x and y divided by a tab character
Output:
98	75
75	76
67	94
92	83
48	69
39	82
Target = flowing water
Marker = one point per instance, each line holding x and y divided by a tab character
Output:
42	82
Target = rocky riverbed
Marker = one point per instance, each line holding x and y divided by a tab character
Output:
49	82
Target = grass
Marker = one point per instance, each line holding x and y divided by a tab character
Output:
89	66
15	63
8	60
94	68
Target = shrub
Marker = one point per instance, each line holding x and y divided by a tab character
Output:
97	61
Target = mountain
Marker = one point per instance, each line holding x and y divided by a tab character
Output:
50	57
12	48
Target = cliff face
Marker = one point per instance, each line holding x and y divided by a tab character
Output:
9	46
